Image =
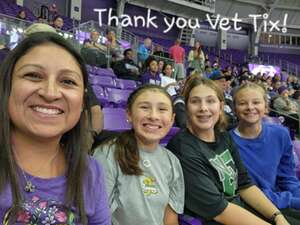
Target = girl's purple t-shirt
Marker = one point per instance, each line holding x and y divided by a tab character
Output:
46	204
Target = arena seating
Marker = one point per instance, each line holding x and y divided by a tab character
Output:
11	9
272	119
103	81
100	94
171	133
188	220
296	145
115	119
126	84
118	97
102	72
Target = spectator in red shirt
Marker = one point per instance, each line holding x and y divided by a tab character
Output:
177	53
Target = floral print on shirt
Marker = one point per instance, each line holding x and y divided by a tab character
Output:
37	211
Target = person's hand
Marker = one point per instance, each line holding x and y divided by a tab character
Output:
280	220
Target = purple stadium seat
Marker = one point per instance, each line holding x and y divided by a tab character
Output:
118	97
115	119
298	171
126	84
100	94
170	134
188	220
102	81
273	120
91	78
89	68
296	145
104	72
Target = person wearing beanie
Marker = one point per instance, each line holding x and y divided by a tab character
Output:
223	82
288	108
283	104
283	91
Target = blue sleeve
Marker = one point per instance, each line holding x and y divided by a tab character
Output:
286	173
282	199
288	185
97	208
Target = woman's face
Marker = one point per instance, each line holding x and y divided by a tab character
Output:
22	14
289	79
153	66
161	65
204	109
110	35
250	105
152	117
168	71
47	92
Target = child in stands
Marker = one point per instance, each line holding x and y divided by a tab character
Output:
167	81
151	76
144	180
267	151
218	189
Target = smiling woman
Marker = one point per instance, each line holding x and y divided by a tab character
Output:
43	163
45	95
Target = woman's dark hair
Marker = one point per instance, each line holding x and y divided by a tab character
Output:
57	17
165	66
126	51
149	60
127	152
86	41
110	30
72	141
19	14
198	50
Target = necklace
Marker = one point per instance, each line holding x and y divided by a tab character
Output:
29	186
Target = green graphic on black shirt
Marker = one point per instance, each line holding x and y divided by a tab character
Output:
225	166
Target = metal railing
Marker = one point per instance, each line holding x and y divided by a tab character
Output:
83	31
263	59
207	3
12	31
